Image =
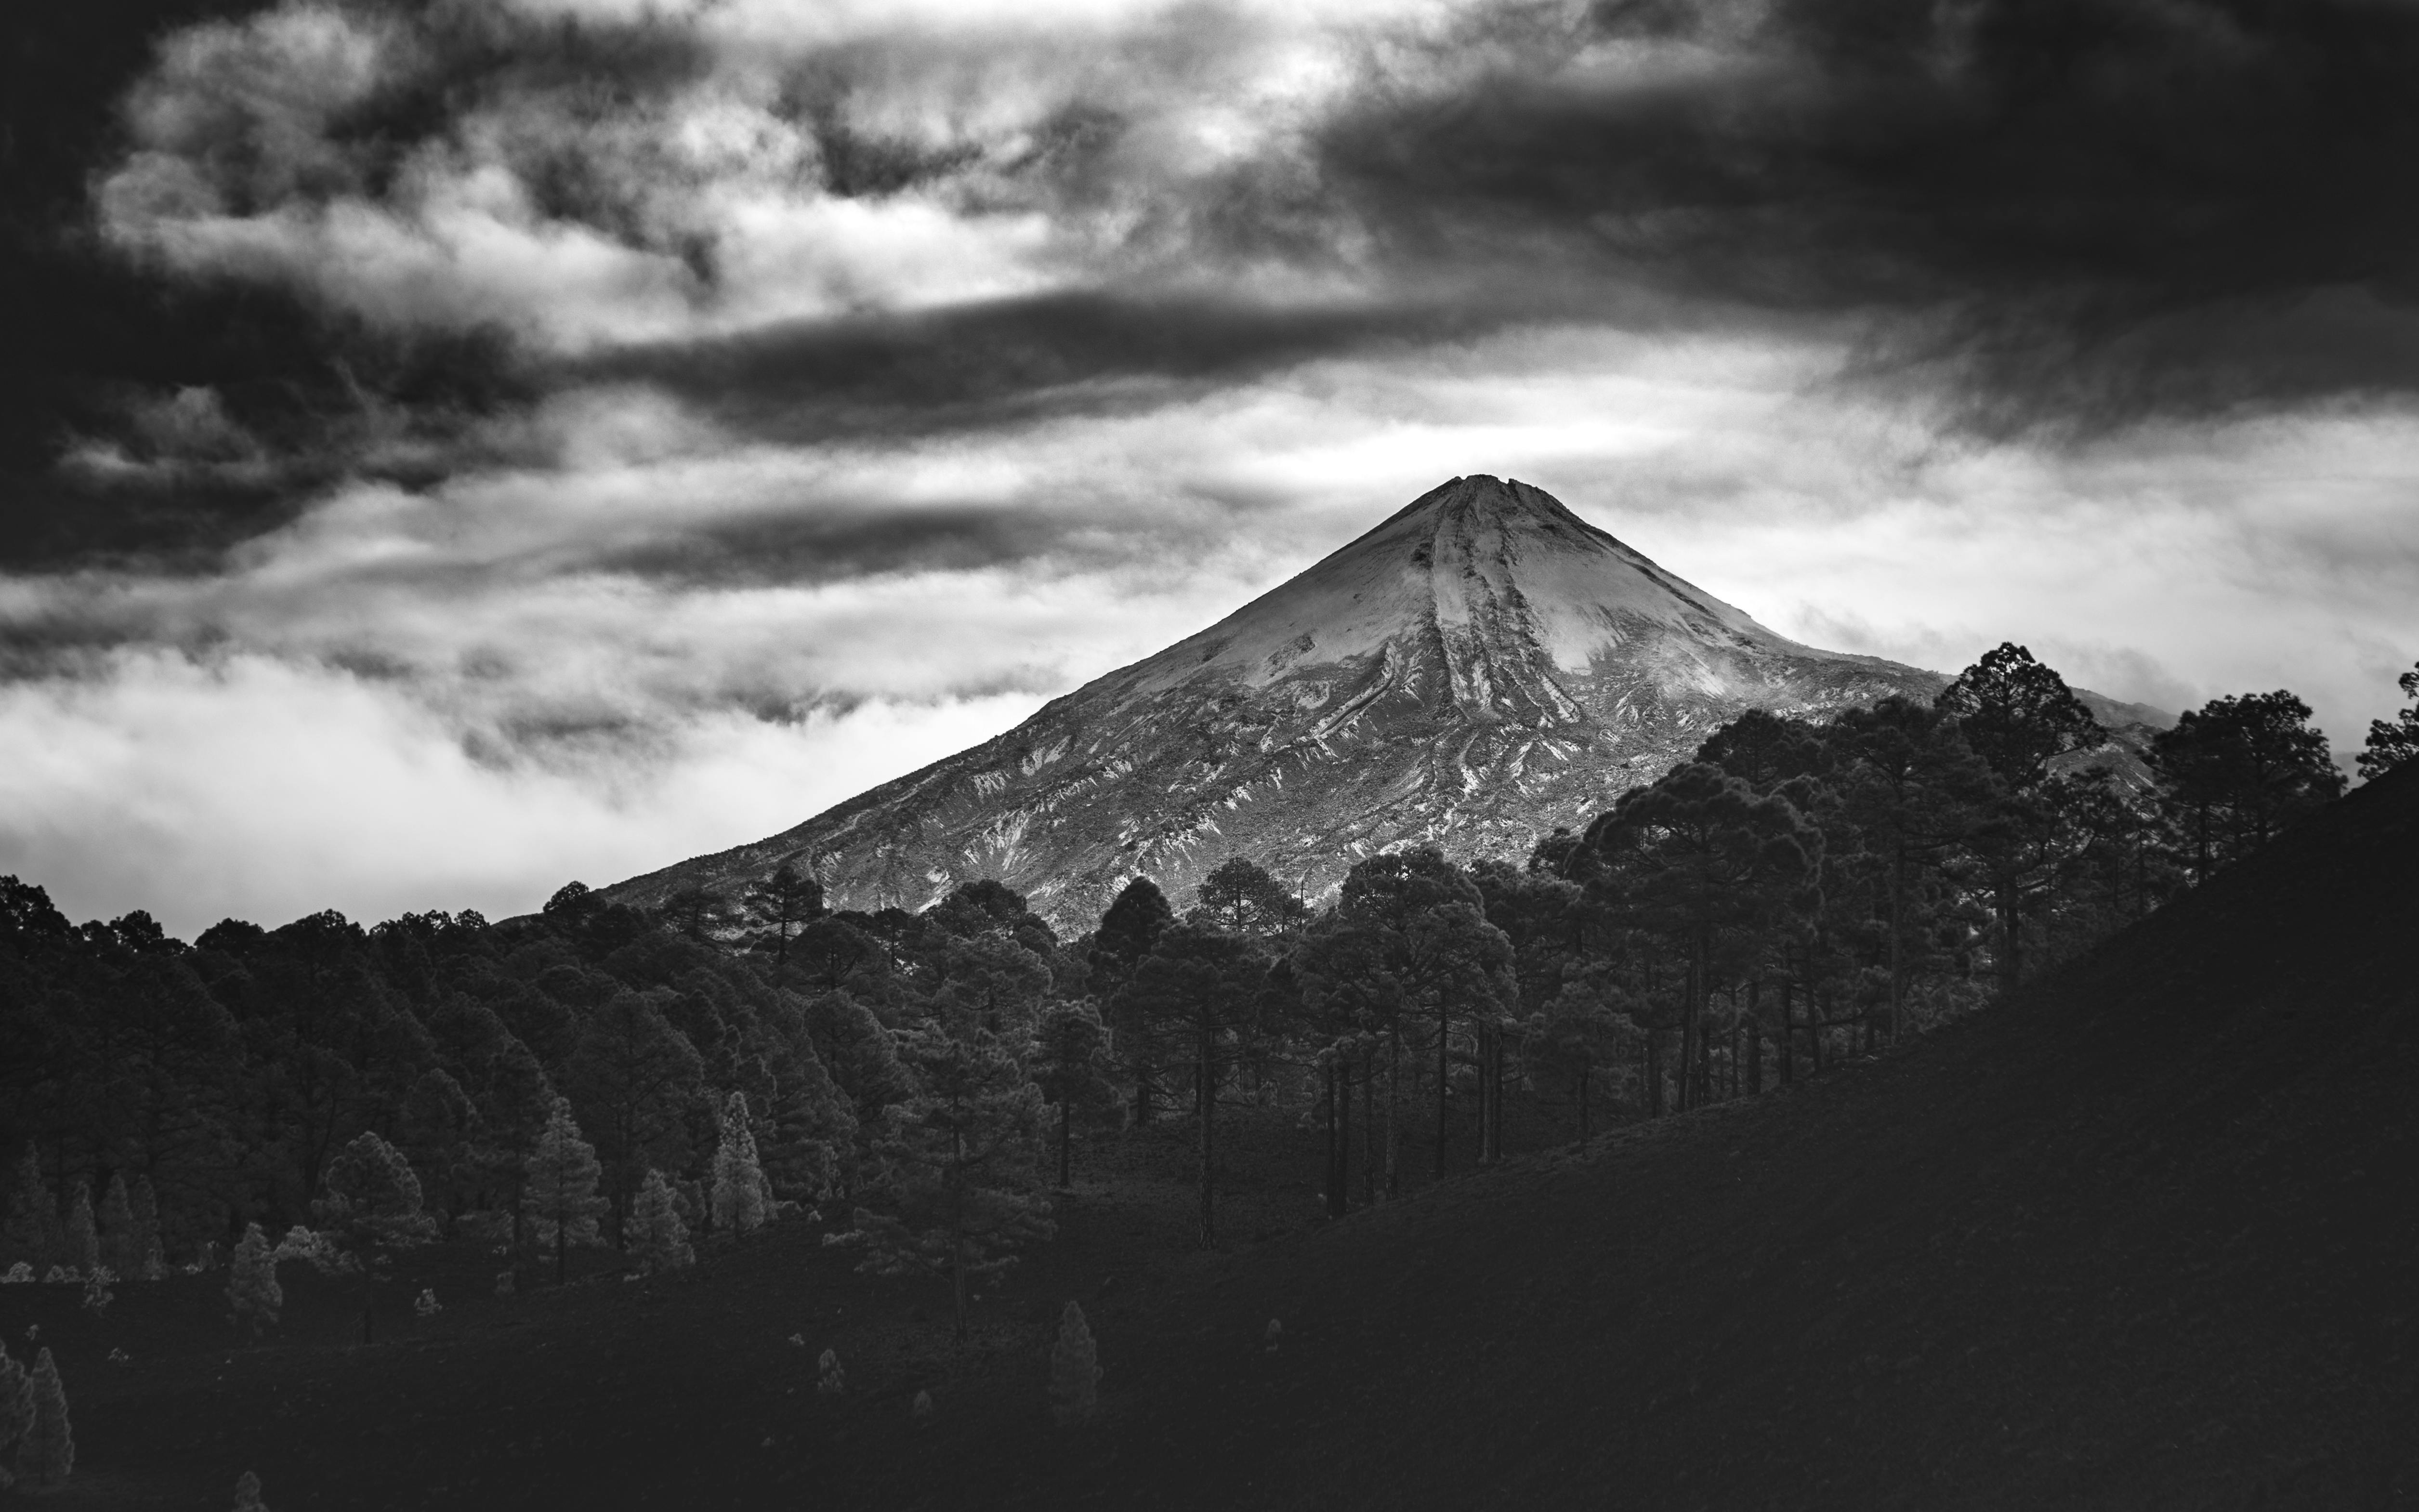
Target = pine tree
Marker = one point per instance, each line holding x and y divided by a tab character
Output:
151	1264
120	1248
813	1127
370	1207
741	1199
16	1413
82	1242
658	1240
31	1231
46	1455
1128	929
252	1289
1074	1369
785	903
1070	1065
961	1158
559	1193
247	1494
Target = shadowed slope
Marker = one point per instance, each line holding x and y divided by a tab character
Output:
2144	1237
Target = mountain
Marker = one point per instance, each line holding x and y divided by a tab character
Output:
1477	670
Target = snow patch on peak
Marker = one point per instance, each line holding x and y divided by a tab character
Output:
1498	569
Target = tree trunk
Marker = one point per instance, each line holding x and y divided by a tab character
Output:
1066	1138
1896	941
1339	1136
1788	1031
958	1282
1444	1036
1654	1074
1206	1093
1393	1105
1369	1126
2011	928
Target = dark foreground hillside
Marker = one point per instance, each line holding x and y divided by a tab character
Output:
2144	1238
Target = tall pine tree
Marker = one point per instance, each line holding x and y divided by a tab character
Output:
962	1162
252	1288
30	1232
559	1187
741	1200
658	1239
46	1455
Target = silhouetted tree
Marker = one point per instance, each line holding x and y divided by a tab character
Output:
2235	771
785	903
2391	743
1240	898
1194	985
1129	929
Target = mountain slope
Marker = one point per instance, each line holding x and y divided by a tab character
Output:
1477	670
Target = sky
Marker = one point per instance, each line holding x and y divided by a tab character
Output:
453	447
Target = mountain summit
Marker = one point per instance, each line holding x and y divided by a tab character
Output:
1477	670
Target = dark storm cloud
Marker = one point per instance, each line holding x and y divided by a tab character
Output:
2099	208
2068	212
1011	360
836	542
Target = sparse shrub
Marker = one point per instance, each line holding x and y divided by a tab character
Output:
62	1276
658	1239
252	1289
46	1455
96	1295
1074	1369
505	1286
830	1379
1275	1336
17	1274
247	1494
920	1411
742	1200
426	1306
307	1244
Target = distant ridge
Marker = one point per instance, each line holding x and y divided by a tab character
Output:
1478	669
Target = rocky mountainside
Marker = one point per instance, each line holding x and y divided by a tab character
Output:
1476	670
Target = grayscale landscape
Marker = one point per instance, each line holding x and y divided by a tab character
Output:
1231	755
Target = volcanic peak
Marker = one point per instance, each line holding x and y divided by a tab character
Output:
1479	667
1497	578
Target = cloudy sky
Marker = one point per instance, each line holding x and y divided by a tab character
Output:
448	447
